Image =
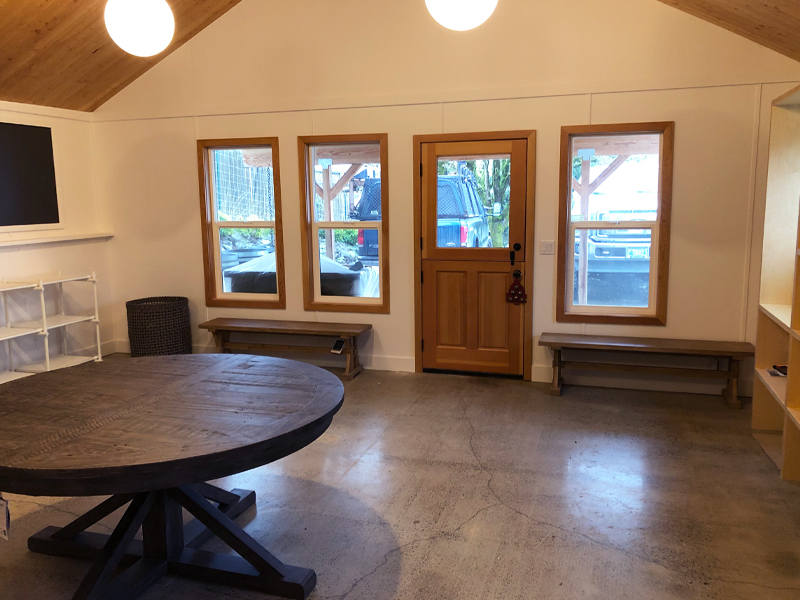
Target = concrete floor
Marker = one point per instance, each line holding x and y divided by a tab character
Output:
447	487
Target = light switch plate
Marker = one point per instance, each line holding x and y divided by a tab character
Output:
548	247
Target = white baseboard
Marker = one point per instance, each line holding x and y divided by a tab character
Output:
374	363
542	374
109	347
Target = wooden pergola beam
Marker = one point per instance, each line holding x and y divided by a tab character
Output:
349	154
616	145
602	178
257	157
607	172
345	179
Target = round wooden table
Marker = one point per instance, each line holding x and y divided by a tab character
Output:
149	432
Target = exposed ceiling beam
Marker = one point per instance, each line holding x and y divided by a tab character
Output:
771	23
58	52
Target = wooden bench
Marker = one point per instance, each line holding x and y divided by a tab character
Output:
222	329
734	352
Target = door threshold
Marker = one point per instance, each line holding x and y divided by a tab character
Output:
473	373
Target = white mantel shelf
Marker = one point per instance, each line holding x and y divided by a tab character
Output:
75	237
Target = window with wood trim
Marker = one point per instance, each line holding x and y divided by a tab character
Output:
240	195
345	192
614	220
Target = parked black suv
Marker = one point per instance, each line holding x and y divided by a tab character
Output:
462	219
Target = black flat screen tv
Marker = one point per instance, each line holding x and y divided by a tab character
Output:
27	176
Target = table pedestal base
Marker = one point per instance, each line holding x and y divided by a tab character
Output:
167	546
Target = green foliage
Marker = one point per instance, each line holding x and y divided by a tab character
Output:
493	183
348	237
235	238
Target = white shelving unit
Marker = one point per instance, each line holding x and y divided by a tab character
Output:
14	331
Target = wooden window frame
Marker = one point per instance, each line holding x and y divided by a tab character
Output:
356	305
661	229
210	227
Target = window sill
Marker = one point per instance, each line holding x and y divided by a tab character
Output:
612	319
279	304
380	309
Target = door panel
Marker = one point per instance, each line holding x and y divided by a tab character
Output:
493	310
467	323
451	305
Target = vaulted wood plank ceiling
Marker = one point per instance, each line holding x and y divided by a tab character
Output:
771	23
58	52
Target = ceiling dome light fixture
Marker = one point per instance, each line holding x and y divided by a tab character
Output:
461	15
140	27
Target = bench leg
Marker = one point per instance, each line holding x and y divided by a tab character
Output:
353	366
217	340
555	388
731	392
221	338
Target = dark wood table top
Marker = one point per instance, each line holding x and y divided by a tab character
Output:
140	424
293	327
558	341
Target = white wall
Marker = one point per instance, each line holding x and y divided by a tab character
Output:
78	215
307	67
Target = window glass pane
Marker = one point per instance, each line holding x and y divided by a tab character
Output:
348	260
347	182
615	177
616	267
247	260
473	195
244	187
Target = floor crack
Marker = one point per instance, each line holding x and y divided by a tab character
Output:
431	538
628	553
758	585
501	502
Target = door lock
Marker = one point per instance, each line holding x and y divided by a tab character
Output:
517	248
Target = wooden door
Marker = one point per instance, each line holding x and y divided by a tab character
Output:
469	242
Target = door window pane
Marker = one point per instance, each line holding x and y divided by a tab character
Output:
615	177
247	260
346	182
617	263
244	186
473	199
349	262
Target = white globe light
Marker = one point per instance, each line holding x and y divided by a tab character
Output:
461	15
140	27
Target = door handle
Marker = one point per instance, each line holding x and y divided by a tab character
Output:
517	248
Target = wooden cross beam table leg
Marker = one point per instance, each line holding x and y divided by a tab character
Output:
167	546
